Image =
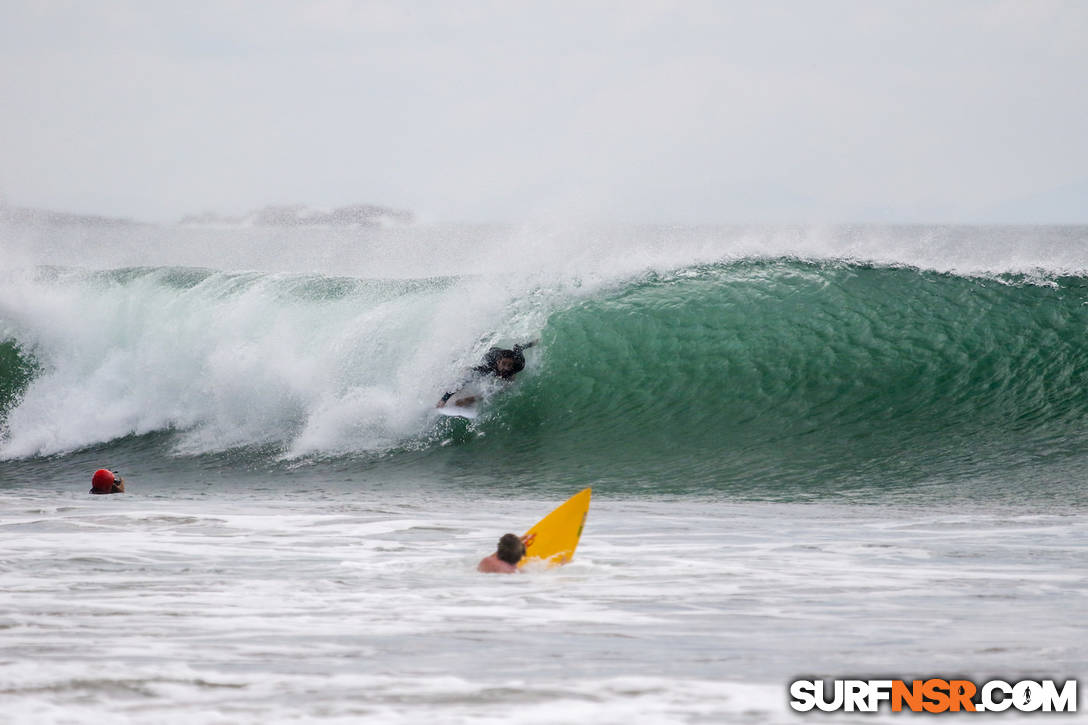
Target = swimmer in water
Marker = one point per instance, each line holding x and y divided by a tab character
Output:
106	481
510	551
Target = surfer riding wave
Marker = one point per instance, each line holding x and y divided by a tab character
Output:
503	363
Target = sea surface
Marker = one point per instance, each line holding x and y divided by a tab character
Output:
815	452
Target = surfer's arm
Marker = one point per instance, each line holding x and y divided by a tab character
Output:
460	402
469	377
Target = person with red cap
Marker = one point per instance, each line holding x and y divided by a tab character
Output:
106	481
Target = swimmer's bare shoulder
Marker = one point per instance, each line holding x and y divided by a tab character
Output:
494	565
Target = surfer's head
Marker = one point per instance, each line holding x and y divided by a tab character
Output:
106	481
504	362
511	549
509	363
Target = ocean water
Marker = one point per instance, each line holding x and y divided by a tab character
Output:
815	452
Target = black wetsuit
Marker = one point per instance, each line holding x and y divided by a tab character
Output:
491	359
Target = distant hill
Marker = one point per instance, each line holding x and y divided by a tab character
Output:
285	215
44	217
300	215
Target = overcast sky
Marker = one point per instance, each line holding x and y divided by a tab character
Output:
636	111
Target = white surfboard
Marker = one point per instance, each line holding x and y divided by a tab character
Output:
465	403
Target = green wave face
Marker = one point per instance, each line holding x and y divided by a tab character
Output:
801	374
16	371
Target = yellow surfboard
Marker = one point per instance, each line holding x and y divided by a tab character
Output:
555	537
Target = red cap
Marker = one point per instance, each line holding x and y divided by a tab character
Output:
102	481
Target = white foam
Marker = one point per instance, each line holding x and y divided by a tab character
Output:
679	611
235	360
